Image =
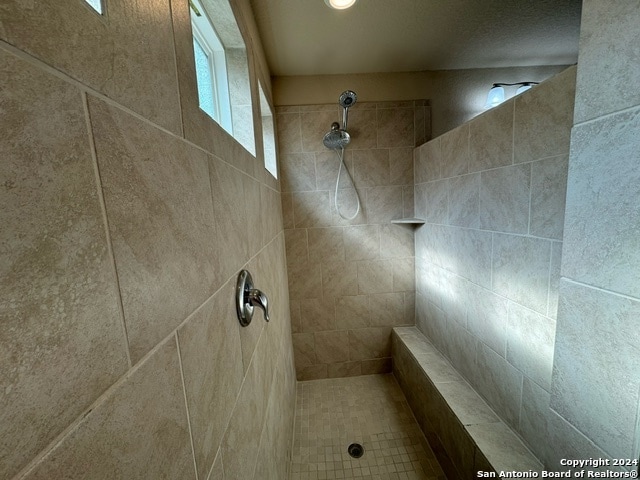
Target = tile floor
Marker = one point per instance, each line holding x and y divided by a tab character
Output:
371	410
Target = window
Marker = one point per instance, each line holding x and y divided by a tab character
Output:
268	135
96	5
211	68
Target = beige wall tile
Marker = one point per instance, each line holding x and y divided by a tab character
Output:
213	372
328	167
401	166
352	312
488	316
543	118
375	276
166	261
315	125
607	32
362	242
437	201
298	172
332	347
548	196
317	314
383	204
312	372
387	309
229	211
455	151
464	201
396	241
602	196
371	167
408	202
63	341
241	441
500	383
504	199
346	369
254	208
289	133
491	138
326	245
304	350
376	366
428	161
297	246
305	281
140	430
395	127
584	362
534	419
217	471
368	343
311	209
287	210
130	58
339	279
521	270
362	127
526	328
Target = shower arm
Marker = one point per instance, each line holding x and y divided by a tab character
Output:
345	117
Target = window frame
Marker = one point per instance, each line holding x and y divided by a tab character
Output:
204	33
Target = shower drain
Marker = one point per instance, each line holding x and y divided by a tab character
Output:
355	450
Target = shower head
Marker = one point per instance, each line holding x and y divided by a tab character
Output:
347	99
336	138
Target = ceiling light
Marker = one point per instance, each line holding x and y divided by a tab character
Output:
340	4
496	94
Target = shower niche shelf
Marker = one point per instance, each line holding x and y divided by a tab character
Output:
409	221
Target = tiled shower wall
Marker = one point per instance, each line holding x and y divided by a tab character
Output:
126	216
349	281
595	394
487	261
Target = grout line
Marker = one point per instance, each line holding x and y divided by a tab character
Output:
105	223
186	404
607	115
599	289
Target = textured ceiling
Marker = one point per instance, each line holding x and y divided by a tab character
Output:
305	37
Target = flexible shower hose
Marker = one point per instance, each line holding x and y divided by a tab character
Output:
340	154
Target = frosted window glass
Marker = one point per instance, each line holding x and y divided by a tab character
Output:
205	82
96	5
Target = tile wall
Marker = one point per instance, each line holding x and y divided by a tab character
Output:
126	216
349	281
596	380
492	192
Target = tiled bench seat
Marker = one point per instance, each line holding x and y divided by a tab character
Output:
466	435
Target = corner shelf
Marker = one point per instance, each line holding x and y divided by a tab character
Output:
409	221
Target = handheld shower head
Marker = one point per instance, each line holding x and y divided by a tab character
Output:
347	99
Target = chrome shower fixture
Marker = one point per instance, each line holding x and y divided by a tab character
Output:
336	138
347	99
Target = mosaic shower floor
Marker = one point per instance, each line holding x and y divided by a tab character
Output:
370	410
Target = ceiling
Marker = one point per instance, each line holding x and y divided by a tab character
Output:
305	37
